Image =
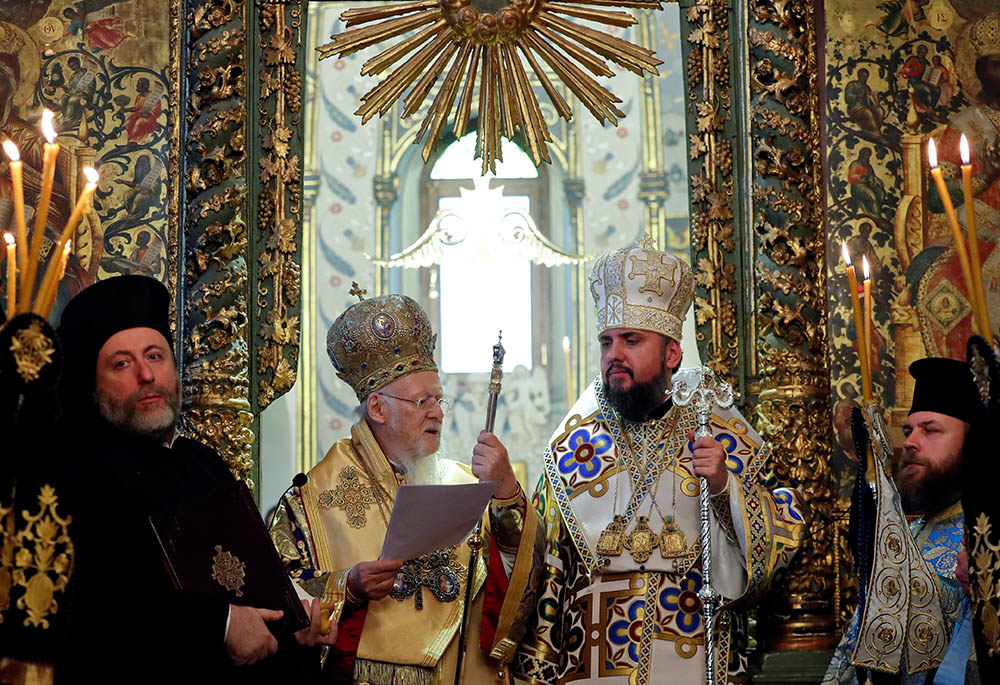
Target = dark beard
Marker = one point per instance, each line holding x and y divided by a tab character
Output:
931	492
639	401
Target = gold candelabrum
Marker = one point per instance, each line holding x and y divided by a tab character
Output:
24	262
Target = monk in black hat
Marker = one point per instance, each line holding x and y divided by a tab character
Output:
945	405
928	478
122	396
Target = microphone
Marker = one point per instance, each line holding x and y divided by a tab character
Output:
300	480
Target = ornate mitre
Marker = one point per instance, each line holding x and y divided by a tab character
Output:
378	340
985	34
641	287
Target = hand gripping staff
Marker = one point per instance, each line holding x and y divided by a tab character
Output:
476	540
709	392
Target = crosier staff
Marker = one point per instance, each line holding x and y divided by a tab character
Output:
709	392
476	540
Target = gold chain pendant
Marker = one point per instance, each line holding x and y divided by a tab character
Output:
642	541
612	539
673	542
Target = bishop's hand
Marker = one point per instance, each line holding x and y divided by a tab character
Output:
709	462
372	580
490	462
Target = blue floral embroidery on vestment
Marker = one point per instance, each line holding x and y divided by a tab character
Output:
628	631
684	601
586	453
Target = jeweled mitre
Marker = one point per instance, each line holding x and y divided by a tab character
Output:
643	288
378	340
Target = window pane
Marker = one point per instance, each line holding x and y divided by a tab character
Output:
458	161
485	287
478	298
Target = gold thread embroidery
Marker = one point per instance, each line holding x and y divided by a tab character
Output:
228	571
351	496
984	581
32	350
43	559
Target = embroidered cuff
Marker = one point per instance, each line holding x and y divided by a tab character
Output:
723	514
507	520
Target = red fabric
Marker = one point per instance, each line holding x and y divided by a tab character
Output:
138	125
106	33
340	663
913	68
856	173
494	591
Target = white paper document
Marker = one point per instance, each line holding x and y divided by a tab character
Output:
426	518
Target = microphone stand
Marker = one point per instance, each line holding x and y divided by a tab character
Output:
476	540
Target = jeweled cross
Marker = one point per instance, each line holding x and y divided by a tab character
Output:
356	290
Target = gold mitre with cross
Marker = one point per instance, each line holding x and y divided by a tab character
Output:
378	340
985	34
642	287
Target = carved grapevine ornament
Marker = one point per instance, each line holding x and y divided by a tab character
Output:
488	47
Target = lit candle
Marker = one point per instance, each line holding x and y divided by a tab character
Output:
956	232
975	264
48	297
16	180
570	392
859	326
11	275
82	205
41	209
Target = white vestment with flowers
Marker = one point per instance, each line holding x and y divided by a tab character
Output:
621	619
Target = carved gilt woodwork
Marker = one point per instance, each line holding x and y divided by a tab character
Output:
241	218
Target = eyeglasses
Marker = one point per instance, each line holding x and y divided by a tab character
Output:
425	403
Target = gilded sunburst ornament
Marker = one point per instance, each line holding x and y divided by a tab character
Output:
486	41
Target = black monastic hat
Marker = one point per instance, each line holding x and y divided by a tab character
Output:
100	311
945	386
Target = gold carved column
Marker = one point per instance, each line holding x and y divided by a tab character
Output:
788	250
242	215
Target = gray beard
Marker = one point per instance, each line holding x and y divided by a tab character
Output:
158	425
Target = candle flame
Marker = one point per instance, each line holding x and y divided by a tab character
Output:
48	130
11	150
932	153
843	249
864	267
91	174
566	343
8	238
963	145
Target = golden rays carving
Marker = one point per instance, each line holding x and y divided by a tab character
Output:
464	44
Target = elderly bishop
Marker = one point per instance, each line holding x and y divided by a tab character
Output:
400	619
619	500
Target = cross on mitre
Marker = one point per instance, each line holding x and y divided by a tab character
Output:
654	271
357	291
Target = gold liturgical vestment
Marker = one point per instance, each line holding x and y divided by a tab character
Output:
340	517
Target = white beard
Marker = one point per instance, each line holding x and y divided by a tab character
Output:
425	470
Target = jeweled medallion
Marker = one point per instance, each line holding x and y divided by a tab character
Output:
612	540
642	541
673	542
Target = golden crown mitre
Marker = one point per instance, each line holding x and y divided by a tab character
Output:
642	287
379	340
